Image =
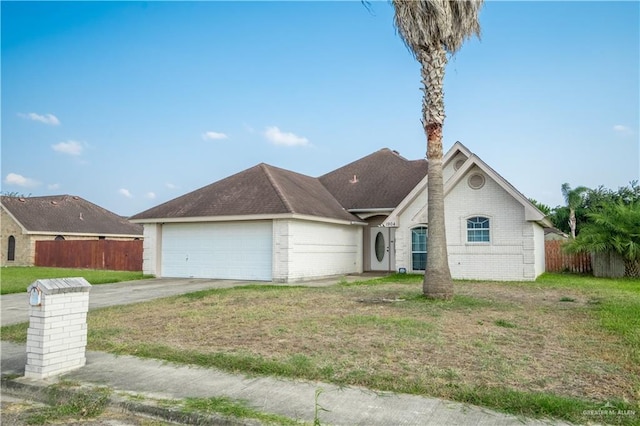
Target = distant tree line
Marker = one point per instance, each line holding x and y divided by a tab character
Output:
601	220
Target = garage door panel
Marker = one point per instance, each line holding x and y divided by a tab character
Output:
231	250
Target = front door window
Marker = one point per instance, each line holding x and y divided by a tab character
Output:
380	247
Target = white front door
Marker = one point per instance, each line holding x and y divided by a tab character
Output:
381	249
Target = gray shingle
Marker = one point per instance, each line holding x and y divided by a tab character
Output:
384	178
67	214
379	180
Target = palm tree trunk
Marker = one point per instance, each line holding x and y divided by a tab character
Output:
572	222
437	278
631	268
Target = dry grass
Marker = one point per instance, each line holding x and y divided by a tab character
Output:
387	336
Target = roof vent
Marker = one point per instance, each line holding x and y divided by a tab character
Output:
22	200
75	197
55	203
81	218
354	180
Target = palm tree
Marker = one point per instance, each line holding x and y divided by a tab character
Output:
431	29
573	198
614	228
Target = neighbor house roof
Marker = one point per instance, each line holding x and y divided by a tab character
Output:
378	181
67	214
259	190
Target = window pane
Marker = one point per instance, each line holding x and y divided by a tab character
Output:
419	261
478	230
419	248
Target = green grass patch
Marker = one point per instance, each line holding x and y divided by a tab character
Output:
388	279
616	302
15	332
65	404
238	409
504	323
16	279
547	405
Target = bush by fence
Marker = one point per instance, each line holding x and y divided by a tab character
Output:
557	260
110	255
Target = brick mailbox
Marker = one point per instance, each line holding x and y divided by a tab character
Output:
57	334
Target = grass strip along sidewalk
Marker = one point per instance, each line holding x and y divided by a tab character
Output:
564	346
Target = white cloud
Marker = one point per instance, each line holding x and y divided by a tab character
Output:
19	180
53	186
214	136
171	186
278	137
69	147
125	192
622	130
151	195
46	118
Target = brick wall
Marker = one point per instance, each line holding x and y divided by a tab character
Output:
304	249
57	333
514	250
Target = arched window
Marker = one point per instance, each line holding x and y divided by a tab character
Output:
419	248
478	229
11	248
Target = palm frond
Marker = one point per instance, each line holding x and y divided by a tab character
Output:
436	24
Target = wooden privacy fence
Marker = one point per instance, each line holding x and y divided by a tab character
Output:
110	255
556	260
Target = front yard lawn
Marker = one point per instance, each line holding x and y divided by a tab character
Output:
16	279
561	347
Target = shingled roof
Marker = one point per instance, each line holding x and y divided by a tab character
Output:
262	189
379	180
65	214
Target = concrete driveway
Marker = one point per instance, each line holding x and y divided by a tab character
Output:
15	307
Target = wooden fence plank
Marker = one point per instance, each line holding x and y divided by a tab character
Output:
556	260
111	255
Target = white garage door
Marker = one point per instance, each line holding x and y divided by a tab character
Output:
225	250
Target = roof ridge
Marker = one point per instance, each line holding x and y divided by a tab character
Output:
265	167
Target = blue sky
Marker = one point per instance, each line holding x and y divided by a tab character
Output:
131	104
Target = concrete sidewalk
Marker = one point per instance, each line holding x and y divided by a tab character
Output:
290	398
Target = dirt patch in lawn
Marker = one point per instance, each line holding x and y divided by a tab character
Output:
388	336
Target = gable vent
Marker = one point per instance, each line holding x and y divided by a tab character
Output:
476	181
458	163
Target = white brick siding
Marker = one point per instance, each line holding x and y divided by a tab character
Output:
151	249
514	250
57	333
306	250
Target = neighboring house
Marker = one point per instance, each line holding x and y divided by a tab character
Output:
270	224
554	234
25	220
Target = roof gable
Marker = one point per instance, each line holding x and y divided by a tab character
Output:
378	181
532	213
66	214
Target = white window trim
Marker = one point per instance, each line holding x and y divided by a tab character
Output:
465	233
